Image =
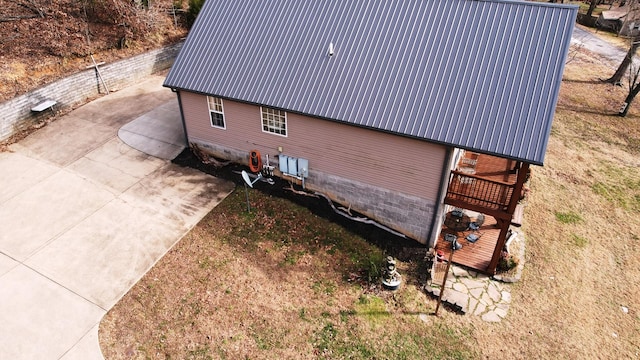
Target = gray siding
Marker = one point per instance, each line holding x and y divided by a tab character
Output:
474	74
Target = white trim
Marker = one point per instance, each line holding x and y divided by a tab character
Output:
286	128
221	111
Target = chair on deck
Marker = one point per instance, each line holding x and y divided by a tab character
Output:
474	226
470	161
472	238
477	223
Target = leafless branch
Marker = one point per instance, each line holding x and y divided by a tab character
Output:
574	50
31	5
8	38
634	74
16	18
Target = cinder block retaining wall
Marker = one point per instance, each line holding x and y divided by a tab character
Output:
77	88
404	213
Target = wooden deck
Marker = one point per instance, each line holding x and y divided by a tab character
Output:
476	255
483	183
495	168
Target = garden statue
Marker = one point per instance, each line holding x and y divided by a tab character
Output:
390	277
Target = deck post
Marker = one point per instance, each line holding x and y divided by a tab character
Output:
517	189
504	223
502	239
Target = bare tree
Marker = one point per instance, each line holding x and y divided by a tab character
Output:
616	78
634	89
592	6
576	48
633	46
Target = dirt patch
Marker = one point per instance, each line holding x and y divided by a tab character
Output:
42	41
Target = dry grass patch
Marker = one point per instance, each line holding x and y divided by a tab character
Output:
276	283
582	227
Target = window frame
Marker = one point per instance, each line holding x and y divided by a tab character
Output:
273	128
216	111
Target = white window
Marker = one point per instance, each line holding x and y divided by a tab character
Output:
216	112
274	121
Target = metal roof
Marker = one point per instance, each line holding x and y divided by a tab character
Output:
482	75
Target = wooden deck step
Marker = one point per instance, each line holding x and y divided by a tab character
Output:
518	214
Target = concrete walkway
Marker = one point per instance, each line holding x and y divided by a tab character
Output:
83	217
167	139
608	51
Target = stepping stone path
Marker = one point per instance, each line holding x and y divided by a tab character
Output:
474	293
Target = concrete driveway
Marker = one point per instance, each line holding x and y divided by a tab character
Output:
83	216
609	52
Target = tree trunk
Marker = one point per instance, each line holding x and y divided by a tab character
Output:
592	7
627	102
622	69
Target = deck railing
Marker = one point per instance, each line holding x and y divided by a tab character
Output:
478	191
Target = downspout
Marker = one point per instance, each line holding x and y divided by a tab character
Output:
184	124
444	186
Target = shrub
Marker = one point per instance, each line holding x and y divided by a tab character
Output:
194	10
507	262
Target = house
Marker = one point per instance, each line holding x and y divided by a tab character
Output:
623	20
375	103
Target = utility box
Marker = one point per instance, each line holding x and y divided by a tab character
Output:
283	165
292	166
303	167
